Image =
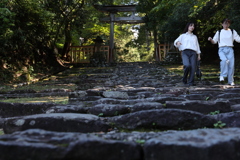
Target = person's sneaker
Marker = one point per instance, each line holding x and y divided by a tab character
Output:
221	78
232	84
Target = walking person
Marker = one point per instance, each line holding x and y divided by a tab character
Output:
188	44
225	38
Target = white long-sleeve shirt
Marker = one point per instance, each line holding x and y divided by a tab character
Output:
188	41
226	38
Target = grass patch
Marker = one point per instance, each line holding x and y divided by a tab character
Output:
206	69
51	99
40	86
209	72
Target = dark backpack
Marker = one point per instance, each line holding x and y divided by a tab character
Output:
219	34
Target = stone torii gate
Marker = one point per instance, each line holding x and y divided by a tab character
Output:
112	10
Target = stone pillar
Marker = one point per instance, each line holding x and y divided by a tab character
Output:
111	52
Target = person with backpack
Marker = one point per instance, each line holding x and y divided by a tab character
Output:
188	44
225	38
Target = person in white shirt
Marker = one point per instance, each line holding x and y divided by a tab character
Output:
225	38
188	44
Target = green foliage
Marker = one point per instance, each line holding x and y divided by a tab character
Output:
140	141
25	34
6	32
214	113
219	124
116	2
100	115
6	18
234	14
33	31
168	18
127	48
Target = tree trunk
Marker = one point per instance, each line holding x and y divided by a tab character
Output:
50	59
65	50
67	43
156	51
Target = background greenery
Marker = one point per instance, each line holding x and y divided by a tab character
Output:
35	35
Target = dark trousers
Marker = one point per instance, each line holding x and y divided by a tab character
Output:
189	58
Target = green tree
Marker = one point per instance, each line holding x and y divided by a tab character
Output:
28	32
67	16
7	19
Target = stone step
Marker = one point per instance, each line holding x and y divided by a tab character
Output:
139	98
231	119
204	107
200	144
22	109
203	144
45	145
152	119
61	122
163	119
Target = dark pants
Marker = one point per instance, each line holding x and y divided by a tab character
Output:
189	58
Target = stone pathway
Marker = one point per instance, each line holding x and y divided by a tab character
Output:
133	111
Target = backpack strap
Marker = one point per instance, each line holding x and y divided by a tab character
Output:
219	35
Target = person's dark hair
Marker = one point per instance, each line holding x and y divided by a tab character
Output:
226	20
186	27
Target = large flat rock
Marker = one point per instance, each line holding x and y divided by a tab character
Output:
38	144
163	119
22	109
62	122
231	119
204	107
202	144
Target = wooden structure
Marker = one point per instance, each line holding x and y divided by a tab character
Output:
166	49
82	54
163	49
112	10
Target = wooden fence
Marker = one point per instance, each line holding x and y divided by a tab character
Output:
82	54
